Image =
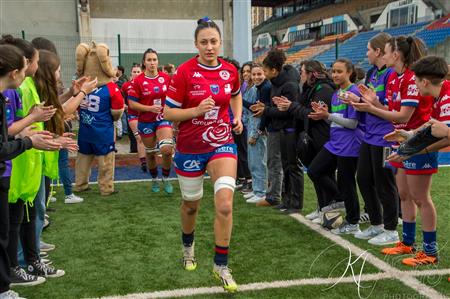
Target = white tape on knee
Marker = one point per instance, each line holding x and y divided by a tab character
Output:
191	188
151	150
226	182
165	142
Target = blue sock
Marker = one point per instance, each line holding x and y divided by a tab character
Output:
429	243
409	233
221	256
187	239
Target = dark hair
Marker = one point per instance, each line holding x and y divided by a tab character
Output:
411	48
234	62
47	88
275	59
121	68
149	50
432	68
27	48
11	58
379	41
205	23
317	71
349	67
256	64
41	43
169	68
248	63
360	73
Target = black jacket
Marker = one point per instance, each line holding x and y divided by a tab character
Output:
321	91
285	84
9	148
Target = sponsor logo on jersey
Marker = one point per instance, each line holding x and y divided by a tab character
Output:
409	165
217	135
225	149
214	88
146	93
225	75
145	83
156	89
197	75
213	113
164	88
227	88
427	166
413	90
161	80
445	110
197	87
191	165
147	131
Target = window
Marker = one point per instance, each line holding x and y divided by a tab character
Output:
402	16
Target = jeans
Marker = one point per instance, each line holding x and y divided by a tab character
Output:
64	171
39	204
257	162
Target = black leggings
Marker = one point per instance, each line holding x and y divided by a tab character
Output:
242	165
345	188
377	186
4	232
26	230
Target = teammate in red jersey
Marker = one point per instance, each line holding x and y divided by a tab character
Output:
132	116
409	110
199	96
148	95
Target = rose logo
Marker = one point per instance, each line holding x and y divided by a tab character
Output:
217	136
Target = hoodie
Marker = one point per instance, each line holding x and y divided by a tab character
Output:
285	84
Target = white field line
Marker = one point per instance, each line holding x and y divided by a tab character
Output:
389	272
275	285
404	276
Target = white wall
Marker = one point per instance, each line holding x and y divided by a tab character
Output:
424	13
165	36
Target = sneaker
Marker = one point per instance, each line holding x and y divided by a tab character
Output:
281	207
144	167
72	198
421	258
385	238
10	295
223	273
400	221
189	262
255	199
249	195
247	187
46	247
346	228
370	232
39	268
52	199
239	184
47	261
364	218
290	211
398	249
19	277
335	206
155	186
313	215
318	220
167	185
263	203
43	255
46	223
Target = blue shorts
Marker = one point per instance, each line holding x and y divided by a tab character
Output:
149	129
132	117
194	165
96	149
420	164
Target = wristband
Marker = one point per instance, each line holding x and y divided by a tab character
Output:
83	92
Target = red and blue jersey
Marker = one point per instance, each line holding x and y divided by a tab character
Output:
149	91
402	91
125	87
441	106
191	84
96	122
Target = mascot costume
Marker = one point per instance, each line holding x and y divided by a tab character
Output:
98	111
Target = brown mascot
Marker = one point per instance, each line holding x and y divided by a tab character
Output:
98	111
